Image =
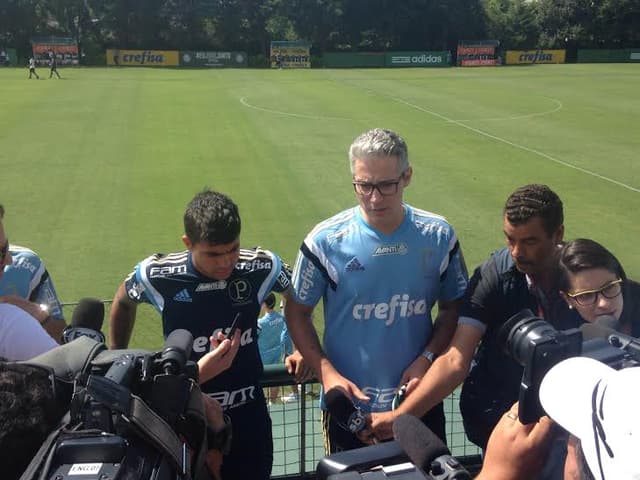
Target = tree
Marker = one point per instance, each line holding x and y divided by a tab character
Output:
513	22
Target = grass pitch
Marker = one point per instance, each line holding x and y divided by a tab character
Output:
97	168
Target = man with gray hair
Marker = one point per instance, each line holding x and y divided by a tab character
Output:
380	267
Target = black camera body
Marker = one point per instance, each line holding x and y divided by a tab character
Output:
415	454
132	412
386	460
537	346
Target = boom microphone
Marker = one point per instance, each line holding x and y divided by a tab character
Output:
176	351
421	445
599	329
86	321
608	321
344	412
426	450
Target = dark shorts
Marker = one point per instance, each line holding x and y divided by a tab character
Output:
337	439
251	454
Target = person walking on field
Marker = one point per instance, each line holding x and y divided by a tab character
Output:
53	63
32	68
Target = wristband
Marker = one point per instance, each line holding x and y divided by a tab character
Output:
429	355
45	309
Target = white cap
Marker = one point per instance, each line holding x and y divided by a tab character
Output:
601	407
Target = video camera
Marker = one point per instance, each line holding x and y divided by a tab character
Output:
416	453
537	346
132	413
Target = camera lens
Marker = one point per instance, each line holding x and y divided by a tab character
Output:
519	334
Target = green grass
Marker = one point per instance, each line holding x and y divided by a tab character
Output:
98	167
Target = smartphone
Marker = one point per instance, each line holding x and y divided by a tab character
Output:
234	325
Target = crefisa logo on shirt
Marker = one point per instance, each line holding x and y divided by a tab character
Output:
306	281
401	306
397	249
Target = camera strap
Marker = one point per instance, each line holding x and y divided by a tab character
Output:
159	433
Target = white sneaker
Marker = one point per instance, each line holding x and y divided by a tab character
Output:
292	397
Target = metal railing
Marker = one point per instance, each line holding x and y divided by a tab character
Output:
297	431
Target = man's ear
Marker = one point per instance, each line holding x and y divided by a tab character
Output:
408	173
559	235
187	242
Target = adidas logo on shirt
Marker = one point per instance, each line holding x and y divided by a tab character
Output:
183	296
353	265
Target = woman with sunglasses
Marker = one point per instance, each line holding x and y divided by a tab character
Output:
594	283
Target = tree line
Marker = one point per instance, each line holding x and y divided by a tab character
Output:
329	25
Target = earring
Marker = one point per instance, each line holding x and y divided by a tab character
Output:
570	307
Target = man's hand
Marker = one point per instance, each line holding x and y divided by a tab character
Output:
52	326
223	351
213	459
414	372
382	424
31	308
297	367
215	418
332	379
516	451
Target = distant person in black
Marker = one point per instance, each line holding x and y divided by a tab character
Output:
53	63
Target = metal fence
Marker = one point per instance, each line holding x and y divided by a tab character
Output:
297	431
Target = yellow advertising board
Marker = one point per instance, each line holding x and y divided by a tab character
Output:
142	58
522	57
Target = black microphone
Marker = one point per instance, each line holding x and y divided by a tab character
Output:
420	444
344	412
599	329
608	321
176	351
426	450
86	321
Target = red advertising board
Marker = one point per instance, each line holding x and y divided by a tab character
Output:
66	52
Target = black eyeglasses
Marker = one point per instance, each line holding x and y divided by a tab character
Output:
386	188
4	251
589	297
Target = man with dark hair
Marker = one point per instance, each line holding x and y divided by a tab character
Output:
522	275
214	289
26	283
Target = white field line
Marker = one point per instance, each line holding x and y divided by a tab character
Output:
515	145
243	101
558	106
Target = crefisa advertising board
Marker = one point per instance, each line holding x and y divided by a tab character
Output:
175	58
